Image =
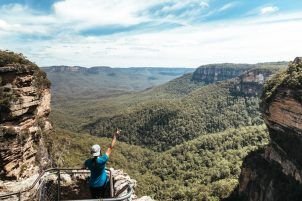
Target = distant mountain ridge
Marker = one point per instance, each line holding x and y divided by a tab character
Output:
76	82
72	68
98	69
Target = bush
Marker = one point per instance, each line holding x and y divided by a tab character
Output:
10	58
289	78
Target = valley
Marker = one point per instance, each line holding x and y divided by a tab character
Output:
81	83
189	134
159	100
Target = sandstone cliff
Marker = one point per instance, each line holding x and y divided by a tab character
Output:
247	79
250	83
24	108
275	173
218	72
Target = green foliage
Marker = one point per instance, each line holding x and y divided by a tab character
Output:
18	61
109	82
6	96
207	167
72	149
212	160
179	86
182	153
78	111
294	78
162	124
11	58
289	78
272	84
41	81
272	65
84	109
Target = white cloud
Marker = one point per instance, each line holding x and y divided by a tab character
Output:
181	12
226	6
92	13
17	19
102	12
204	4
265	38
3	25
249	41
269	10
176	5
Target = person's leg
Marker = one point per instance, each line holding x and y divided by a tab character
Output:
106	189
95	192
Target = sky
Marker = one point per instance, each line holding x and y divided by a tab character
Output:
151	33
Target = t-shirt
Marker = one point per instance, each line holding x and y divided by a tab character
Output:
98	176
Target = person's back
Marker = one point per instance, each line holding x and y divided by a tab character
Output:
96	165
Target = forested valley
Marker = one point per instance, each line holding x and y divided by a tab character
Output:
182	140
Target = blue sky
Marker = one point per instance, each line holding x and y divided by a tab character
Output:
123	33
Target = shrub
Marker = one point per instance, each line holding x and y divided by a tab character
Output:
9	58
289	78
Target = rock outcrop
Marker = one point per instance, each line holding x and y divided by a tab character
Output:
218	72
275	172
251	82
75	185
247	79
24	109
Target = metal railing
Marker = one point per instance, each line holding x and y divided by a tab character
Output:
45	188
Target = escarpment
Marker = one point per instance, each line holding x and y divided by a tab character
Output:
248	79
218	72
275	172
24	109
251	82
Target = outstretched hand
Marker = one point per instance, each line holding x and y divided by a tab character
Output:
117	132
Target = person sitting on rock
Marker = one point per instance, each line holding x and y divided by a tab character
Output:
99	181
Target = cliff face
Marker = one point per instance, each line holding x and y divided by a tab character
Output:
275	173
217	72
24	110
251	82
248	79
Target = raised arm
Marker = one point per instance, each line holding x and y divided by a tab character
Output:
109	150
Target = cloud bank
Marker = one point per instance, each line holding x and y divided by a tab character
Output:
123	33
